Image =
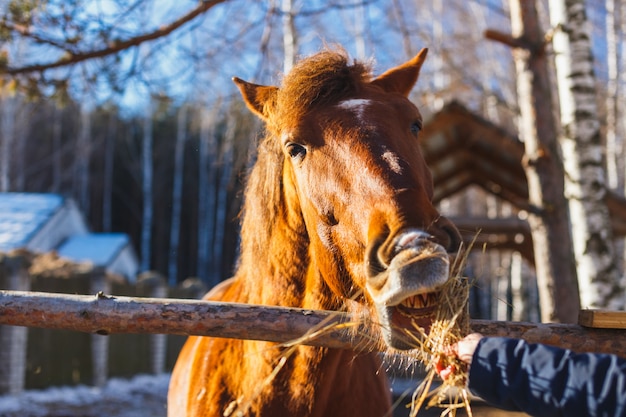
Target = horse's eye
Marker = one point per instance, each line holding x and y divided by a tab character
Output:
295	150
416	127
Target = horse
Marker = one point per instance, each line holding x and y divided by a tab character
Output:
337	215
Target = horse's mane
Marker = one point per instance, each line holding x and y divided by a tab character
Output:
319	80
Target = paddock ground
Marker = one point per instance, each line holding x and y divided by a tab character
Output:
142	396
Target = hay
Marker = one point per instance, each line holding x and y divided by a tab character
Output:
451	324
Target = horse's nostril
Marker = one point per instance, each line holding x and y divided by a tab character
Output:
382	250
455	240
445	233
375	265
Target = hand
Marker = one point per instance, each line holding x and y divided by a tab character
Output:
464	348
463	351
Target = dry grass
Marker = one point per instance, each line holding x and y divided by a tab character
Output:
451	324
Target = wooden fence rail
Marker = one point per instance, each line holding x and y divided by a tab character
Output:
104	314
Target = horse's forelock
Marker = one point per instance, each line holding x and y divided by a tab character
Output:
319	80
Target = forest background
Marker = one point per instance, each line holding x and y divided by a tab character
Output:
127	106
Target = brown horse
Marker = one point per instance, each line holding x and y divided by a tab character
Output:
337	216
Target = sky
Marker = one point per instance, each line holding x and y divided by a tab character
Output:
226	41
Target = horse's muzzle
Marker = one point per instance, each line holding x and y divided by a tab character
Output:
405	272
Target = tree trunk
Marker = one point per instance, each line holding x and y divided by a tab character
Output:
552	245
621	80
614	138
552	242
83	155
399	16
146	223
107	187
290	39
9	105
57	149
221	204
358	28
439	79
177	194
585	186
614	178
206	191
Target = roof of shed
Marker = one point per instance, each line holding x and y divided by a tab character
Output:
98	248
463	149
23	214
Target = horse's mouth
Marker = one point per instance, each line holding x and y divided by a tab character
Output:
409	320
405	288
416	307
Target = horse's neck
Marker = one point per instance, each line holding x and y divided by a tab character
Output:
290	279
283	272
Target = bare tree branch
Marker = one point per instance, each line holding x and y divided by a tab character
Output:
25	31
117	46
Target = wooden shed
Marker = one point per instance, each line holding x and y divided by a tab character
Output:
37	222
463	149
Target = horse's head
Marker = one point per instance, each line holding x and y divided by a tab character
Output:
352	172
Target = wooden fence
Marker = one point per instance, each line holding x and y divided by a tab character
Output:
146	330
39	357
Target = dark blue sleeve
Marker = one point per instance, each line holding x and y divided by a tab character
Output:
546	381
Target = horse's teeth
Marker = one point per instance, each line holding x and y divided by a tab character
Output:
417	301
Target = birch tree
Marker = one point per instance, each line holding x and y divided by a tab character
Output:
83	156
221	204
9	105
290	39
621	81
614	138
109	159
585	184
206	190
439	81
355	22
612	142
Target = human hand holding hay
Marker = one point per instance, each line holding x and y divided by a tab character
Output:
462	351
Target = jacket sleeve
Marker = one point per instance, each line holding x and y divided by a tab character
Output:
546	381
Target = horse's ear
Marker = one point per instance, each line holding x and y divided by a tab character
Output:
401	79
258	98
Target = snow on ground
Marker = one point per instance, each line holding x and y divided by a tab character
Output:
141	396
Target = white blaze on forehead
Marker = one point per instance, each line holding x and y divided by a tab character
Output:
357	105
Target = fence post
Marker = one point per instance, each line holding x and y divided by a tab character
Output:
99	344
13	339
153	284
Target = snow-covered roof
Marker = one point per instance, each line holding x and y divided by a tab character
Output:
100	249
110	250
22	215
